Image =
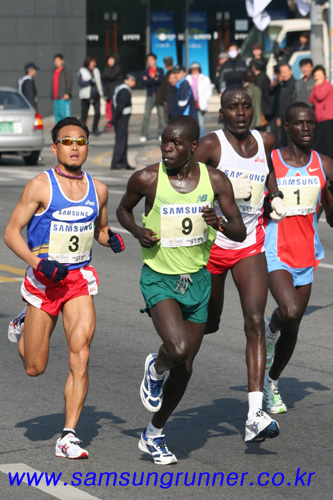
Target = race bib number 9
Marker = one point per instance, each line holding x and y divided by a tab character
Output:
300	194
71	243
183	225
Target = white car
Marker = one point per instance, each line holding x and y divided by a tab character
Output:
21	127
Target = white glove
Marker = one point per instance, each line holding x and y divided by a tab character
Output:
278	210
242	187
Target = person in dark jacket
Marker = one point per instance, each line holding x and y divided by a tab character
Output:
151	78
284	97
257	54
305	84
121	113
263	82
232	70
61	89
27	85
172	79
165	87
183	103
111	77
249	80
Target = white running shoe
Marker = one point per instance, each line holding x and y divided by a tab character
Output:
157	448
68	447
271	339
15	327
143	138
260	427
151	391
272	398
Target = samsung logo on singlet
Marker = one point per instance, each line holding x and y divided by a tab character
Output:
75	213
254	177
191	209
298	181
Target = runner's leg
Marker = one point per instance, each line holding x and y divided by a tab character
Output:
79	324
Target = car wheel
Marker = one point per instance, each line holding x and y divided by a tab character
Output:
32	159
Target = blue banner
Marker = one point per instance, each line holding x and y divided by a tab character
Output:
198	40
163	37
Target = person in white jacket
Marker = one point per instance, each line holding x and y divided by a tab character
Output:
202	89
91	90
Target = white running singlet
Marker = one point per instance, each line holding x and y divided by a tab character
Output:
234	165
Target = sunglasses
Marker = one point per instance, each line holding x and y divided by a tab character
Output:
68	141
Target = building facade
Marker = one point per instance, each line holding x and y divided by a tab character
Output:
35	30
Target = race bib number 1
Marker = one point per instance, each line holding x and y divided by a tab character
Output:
300	194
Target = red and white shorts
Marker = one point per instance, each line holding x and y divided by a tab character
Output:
222	259
49	296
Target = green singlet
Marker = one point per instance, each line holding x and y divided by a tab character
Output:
177	219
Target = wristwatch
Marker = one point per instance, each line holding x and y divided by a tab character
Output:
277	194
222	224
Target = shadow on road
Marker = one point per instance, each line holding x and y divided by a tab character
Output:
45	427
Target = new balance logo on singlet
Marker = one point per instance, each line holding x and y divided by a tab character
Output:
202	198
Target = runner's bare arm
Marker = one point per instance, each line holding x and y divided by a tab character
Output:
35	196
234	228
328	193
140	185
208	150
101	223
269	143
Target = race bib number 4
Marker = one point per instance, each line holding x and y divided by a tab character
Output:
183	225
252	205
71	243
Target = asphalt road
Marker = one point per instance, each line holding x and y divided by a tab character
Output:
206	431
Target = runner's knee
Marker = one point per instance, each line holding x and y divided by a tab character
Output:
254	325
179	352
35	369
290	312
78	360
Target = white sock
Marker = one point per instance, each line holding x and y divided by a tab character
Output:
68	429
255	402
272	335
154	374
152	431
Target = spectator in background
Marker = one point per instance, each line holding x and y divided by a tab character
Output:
122	108
171	97
249	79
284	97
322	99
202	90
305	84
164	88
26	84
222	58
111	77
183	103
257	54
232	70
151	78
263	82
91	91
61	89
303	43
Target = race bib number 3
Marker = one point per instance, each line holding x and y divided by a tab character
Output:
183	225
71	243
